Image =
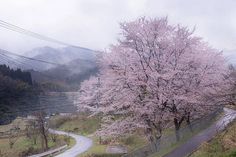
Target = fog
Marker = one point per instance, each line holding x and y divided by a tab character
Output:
95	24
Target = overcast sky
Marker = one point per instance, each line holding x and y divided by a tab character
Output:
95	23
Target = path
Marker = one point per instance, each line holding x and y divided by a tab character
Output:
82	144
206	135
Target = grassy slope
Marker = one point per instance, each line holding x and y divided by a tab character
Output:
79	124
223	145
173	146
86	126
23	144
83	125
20	122
131	142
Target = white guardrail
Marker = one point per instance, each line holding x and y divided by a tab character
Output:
50	152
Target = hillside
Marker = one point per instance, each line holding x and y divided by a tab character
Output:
66	77
230	56
74	65
15	90
57	55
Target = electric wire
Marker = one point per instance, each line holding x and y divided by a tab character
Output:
18	29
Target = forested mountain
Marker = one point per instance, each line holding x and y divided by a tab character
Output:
66	77
16	74
73	65
19	88
15	85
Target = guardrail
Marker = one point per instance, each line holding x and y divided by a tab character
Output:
50	152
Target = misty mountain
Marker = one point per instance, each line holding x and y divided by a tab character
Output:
66	77
57	55
74	67
230	56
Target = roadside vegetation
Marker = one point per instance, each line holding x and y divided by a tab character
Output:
223	145
19	139
79	124
131	142
87	126
25	146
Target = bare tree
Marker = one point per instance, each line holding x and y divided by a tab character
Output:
53	136
32	130
42	128
14	135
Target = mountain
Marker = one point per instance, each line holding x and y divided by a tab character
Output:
230	56
74	65
66	77
57	55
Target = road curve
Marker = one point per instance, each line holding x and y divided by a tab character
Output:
192	144
82	144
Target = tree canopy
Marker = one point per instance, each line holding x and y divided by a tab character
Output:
157	74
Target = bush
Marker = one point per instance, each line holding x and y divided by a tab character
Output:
67	140
28	152
232	154
58	121
129	140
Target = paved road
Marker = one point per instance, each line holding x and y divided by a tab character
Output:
82	144
206	135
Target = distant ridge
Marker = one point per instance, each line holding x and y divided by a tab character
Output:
58	55
230	56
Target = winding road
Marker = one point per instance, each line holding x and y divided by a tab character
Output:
207	134
82	144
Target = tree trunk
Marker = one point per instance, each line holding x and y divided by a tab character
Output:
42	144
189	123
35	139
100	140
157	144
11	145
177	126
45	141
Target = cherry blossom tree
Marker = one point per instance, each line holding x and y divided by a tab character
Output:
157	74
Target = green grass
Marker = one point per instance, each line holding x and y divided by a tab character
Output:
223	145
80	124
187	135
23	144
131	142
95	149
18	122
84	125
87	126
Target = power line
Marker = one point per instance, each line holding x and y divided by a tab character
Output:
38	108
11	59
18	29
28	58
8	60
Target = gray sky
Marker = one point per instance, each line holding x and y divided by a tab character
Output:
95	23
